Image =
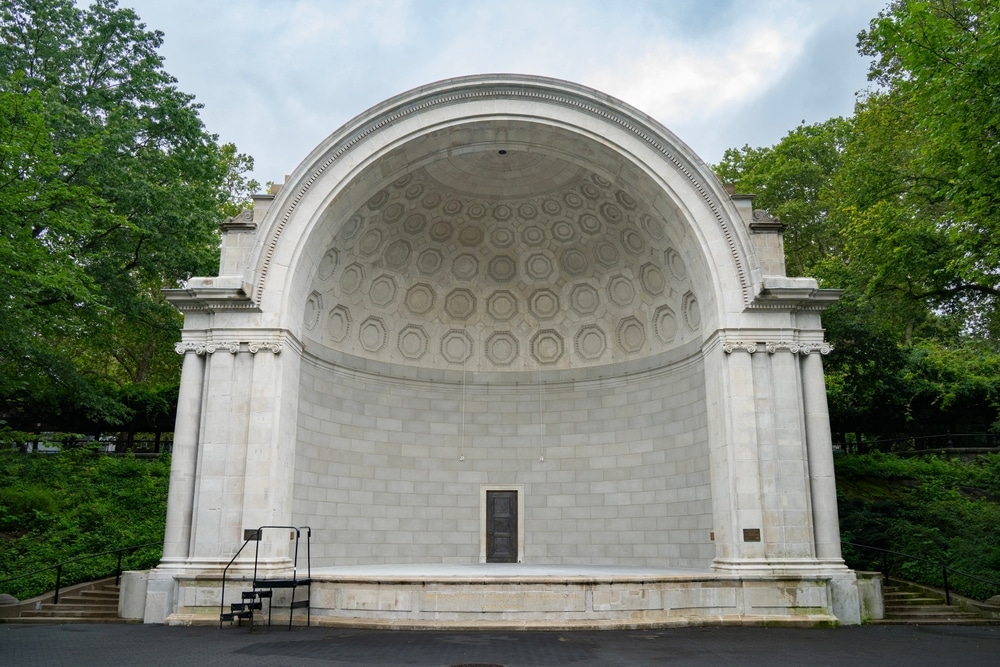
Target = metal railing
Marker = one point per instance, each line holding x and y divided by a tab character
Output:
885	553
933	442
58	567
257	536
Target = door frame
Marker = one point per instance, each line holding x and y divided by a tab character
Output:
519	488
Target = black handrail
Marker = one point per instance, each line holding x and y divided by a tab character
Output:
944	568
58	566
295	557
256	555
257	536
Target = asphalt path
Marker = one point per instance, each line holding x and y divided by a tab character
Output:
879	646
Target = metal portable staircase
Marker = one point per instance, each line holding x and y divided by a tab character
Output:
262	588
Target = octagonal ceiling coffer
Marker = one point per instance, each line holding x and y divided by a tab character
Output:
502	258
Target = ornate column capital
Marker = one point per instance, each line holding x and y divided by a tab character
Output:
233	347
772	347
273	345
739	346
824	348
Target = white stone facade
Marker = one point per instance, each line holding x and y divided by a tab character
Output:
394	468
505	283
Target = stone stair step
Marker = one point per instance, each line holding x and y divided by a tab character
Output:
934	605
935	621
94	605
103	595
925	608
68	613
91	602
79	607
63	620
936	614
915	601
913	605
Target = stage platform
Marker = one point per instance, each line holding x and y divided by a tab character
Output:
497	571
540	596
536	596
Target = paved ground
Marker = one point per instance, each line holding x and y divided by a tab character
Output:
884	646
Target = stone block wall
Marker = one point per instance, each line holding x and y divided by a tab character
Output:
613	471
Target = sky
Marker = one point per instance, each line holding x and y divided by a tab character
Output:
276	77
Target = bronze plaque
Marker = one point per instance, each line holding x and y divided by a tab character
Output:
751	534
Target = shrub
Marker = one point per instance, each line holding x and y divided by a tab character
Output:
939	511
56	507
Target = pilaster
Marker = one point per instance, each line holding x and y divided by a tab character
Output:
234	445
776	472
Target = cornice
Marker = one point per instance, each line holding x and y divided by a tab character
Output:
210	299
796	294
764	222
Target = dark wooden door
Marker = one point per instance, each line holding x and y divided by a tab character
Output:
501	526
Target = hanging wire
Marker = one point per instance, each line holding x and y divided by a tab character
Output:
461	452
541	426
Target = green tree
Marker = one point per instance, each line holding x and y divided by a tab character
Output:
110	190
892	249
937	107
792	180
886	205
800	180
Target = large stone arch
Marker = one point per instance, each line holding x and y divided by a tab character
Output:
505	282
565	122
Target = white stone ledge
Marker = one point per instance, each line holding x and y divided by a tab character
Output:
571	597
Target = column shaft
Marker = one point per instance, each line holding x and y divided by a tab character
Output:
180	500
819	444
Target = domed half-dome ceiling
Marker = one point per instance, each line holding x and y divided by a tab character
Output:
502	257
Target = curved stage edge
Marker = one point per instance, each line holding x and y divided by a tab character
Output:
526	597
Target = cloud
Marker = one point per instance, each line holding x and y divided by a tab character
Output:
276	77
343	25
678	82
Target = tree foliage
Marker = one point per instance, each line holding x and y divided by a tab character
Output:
936	116
110	190
792	181
898	205
943	58
944	512
54	507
